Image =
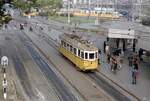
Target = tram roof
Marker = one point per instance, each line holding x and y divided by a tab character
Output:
78	42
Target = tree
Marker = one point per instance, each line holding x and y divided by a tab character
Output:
52	3
49	6
1	3
4	18
21	4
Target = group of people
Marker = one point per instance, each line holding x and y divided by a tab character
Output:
30	28
115	61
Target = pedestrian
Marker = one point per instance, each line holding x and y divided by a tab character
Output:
140	54
104	46
108	58
135	68
107	49
114	64
130	58
134	45
99	51
31	28
41	28
119	61
5	26
99	55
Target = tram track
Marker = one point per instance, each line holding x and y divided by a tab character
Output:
107	87
115	93
61	90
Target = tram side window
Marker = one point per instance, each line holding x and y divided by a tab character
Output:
91	55
82	55
79	53
70	48
75	51
86	55
64	44
67	46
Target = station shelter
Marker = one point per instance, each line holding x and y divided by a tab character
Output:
122	39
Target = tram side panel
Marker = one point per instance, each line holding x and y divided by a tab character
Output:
80	63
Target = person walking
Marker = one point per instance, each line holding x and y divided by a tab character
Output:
99	55
99	51
130	59
135	68
31	28
108	58
104	46
114	64
107	49
140	53
119	62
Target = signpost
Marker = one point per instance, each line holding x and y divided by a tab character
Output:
4	63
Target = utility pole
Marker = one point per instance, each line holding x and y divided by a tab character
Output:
68	11
115	5
89	3
140	9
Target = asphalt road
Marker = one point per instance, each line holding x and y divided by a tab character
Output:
63	92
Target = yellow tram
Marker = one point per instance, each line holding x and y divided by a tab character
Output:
80	52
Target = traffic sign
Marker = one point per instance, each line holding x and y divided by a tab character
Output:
4	61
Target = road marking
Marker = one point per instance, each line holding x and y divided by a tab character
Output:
144	98
40	95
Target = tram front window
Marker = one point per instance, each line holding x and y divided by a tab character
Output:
91	55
